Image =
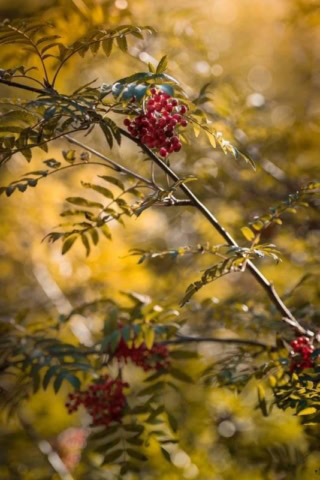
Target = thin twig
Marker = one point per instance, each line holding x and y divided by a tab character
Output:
115	165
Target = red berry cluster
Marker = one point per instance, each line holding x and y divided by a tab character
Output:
103	400
304	349
156	128
148	359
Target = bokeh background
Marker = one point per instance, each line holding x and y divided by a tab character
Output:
262	60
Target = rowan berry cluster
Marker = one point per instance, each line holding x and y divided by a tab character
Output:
156	127
148	359
103	400
304	349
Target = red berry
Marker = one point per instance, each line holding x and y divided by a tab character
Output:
177	147
183	123
183	109
127	122
163	152
174	102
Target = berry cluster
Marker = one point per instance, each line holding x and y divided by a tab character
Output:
103	400
156	128
148	359
304	349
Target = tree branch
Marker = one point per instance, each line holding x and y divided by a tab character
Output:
240	341
262	280
25	87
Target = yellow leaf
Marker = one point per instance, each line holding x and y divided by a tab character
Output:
261	393
149	338
212	139
248	233
272	381
307	411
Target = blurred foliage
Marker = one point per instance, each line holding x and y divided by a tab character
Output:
252	67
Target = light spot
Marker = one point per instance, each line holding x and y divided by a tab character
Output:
226	429
255	100
224	11
121	4
181	460
259	77
203	67
191	472
145	57
217	70
282	116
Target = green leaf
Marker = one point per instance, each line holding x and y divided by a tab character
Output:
86	243
128	467
152	389
135	441
137	455
133	427
122	43
83	202
172	422
166	454
106	231
149	337
113	180
180	375
111	457
58	381
115	338
94	236
68	243
105	432
73	380
107	134
248	234
107	46
162	65
49	374
108	446
248	160
97	188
